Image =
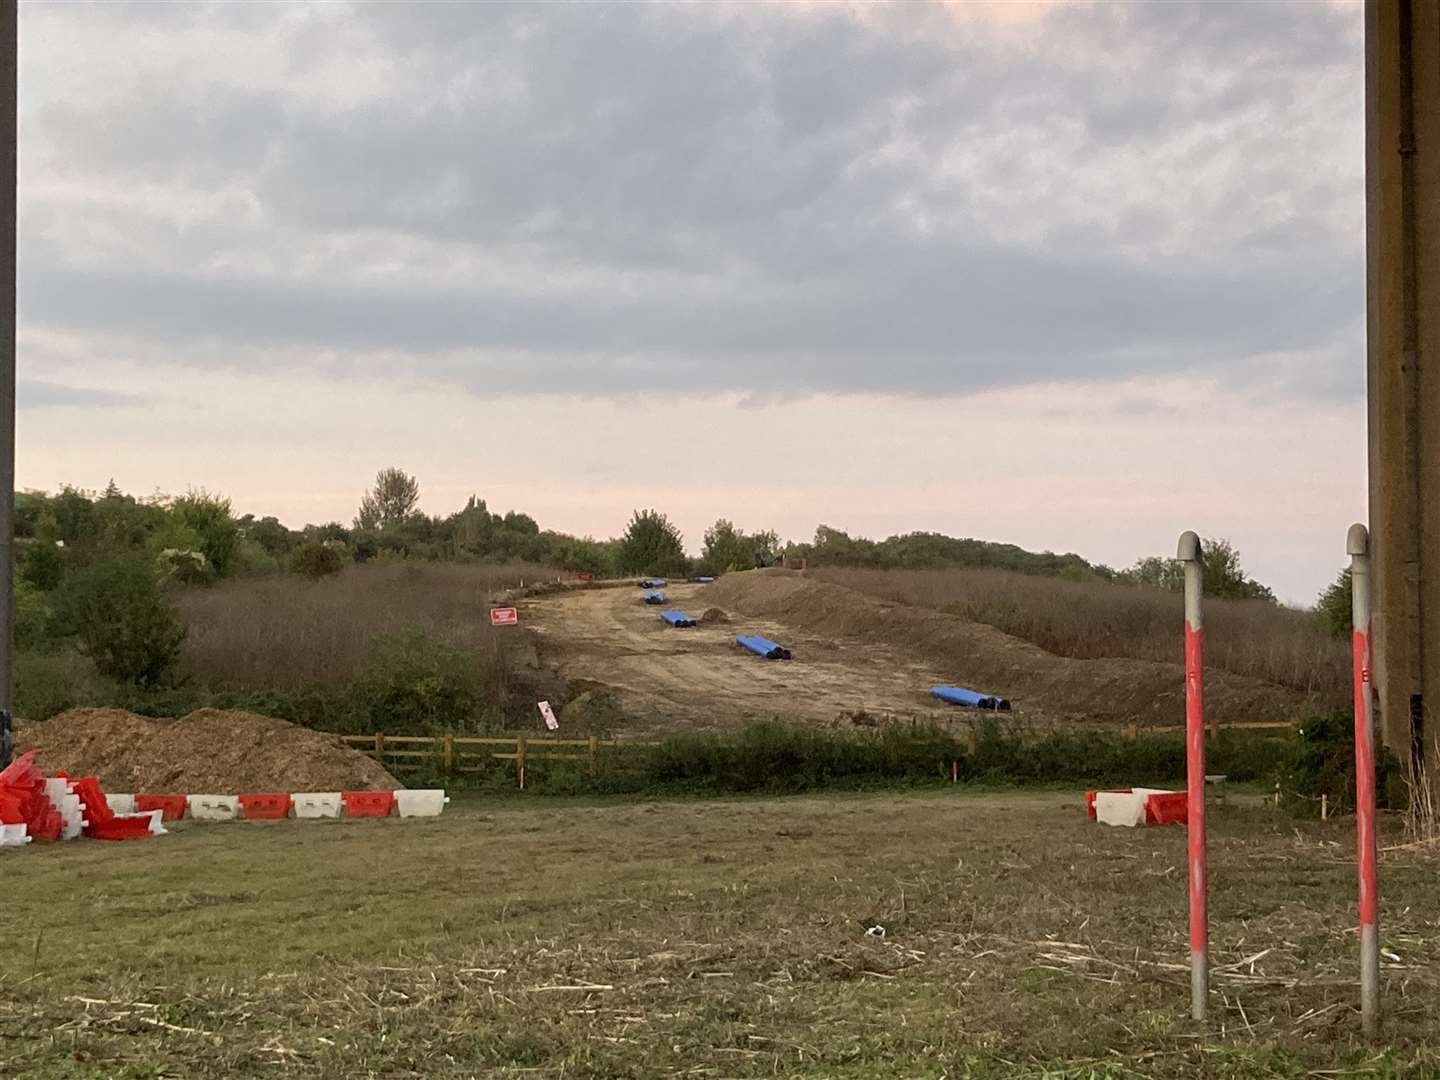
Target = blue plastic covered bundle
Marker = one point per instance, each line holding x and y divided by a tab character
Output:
654	596
676	617
703	579
763	647
959	695
652	582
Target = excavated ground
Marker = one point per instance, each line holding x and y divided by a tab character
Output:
854	654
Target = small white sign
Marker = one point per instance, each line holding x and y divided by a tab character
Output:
549	714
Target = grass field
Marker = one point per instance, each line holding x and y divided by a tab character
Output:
717	939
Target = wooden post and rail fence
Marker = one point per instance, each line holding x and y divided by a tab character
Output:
458	754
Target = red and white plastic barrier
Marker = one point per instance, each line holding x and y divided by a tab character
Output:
34	806
1137	806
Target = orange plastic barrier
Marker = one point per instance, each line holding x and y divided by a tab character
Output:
368	803
269	806
171	807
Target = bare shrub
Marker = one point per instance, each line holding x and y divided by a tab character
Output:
286	632
1093	619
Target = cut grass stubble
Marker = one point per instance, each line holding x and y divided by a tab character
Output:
722	937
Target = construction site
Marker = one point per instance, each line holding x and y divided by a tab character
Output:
452	795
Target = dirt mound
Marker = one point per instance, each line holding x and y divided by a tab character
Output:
210	750
714	615
980	656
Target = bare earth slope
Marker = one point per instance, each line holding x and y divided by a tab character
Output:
853	653
679	679
980	656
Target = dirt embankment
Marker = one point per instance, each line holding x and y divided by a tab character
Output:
1116	690
210	750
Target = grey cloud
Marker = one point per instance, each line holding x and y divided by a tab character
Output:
715	199
38	394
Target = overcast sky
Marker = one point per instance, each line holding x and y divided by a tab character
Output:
1076	277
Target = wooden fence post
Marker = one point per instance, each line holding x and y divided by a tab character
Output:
449	754
594	743
520	760
1132	731
380	748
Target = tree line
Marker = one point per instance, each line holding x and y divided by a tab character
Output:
95	564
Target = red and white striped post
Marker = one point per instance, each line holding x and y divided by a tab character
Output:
1189	554
1357	545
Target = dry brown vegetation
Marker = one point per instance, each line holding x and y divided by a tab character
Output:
714	939
286	632
1090	620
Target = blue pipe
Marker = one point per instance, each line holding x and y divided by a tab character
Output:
763	647
959	695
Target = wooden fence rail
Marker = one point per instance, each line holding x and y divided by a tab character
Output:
452	754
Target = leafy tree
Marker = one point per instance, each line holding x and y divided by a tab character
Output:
1224	578
520	523
274	537
390	501
1332	610
727	548
766	547
42	565
651	545
207	517
123	523
122	620
471	529
1155	572
331	530
74	516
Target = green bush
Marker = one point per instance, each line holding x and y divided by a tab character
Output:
412	683
52	681
315	559
1320	760
33	619
122	620
780	758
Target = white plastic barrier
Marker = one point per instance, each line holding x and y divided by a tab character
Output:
67	804
1120	808
316	804
13	836
425	802
215	807
120	804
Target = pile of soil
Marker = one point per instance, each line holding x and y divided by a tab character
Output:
208	751
978	655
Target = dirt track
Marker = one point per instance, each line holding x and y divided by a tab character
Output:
853	654
698	677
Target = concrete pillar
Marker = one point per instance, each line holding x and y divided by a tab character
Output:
1402	196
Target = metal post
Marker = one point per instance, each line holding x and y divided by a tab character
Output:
1357	545
9	131
1189	554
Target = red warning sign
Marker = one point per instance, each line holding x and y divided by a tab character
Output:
504	616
